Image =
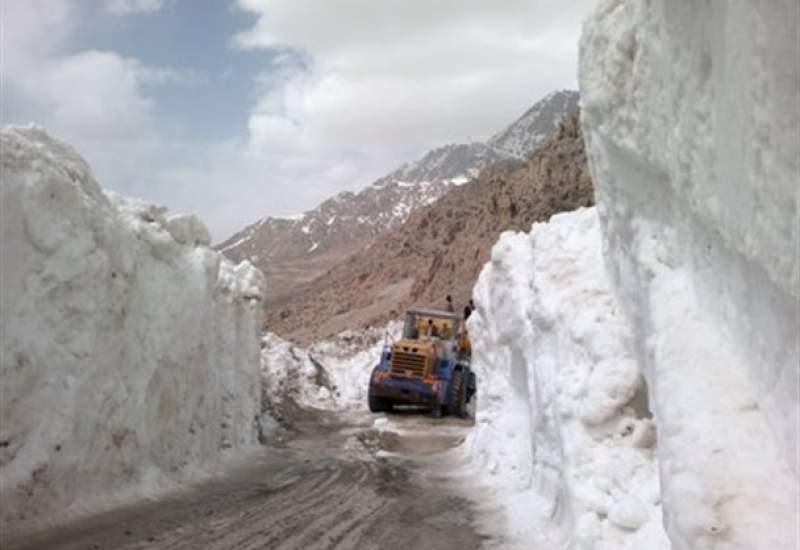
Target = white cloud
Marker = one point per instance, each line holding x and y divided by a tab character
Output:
405	76
34	28
87	97
359	86
95	96
362	86
126	7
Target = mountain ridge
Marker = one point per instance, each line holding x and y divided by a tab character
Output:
441	247
300	248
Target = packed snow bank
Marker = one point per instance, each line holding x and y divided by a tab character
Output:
330	375
691	116
129	354
563	425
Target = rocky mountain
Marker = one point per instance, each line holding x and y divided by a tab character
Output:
440	249
456	162
536	126
299	249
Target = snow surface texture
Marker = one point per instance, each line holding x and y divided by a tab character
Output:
691	116
129	354
563	425
331	375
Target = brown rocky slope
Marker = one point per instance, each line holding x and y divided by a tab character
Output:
441	248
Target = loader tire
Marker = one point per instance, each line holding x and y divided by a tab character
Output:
461	403
378	404
458	394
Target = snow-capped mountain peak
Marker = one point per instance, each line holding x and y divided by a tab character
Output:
536	126
347	222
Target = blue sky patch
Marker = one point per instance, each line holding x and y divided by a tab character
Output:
194	38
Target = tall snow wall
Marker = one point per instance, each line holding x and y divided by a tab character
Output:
690	114
129	358
563	427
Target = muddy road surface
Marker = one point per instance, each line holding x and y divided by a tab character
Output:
336	483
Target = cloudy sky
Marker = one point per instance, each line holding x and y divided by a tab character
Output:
236	109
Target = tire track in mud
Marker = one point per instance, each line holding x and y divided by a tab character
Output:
303	497
300	515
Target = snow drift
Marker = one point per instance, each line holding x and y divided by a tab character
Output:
563	426
330	375
129	354
690	112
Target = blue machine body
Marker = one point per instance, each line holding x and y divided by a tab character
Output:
431	391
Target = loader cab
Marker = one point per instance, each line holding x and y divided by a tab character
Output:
445	328
429	323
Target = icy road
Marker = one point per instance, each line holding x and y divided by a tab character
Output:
337	483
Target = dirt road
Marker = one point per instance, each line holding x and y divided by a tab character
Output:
326	488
